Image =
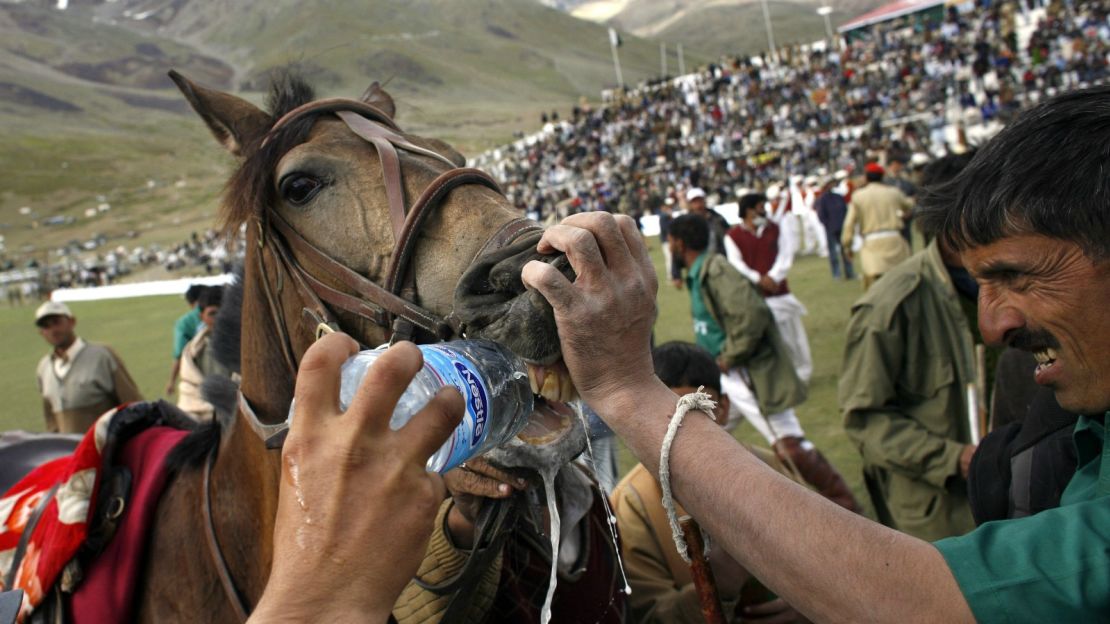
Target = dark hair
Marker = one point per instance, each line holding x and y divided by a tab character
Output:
937	173
750	202
1046	173
692	230
212	296
194	292
679	364
873	176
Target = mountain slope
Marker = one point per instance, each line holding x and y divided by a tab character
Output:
90	118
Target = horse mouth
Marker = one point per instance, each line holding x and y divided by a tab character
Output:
555	433
552	417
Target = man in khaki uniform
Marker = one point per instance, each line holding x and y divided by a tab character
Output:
880	212
78	381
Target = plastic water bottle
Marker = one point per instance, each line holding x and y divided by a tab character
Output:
492	379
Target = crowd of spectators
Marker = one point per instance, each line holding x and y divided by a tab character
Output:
207	253
908	86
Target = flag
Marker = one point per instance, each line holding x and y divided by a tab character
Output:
614	38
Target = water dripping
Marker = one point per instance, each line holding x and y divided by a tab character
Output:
548	474
610	519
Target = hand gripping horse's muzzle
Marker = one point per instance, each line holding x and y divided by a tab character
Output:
491	301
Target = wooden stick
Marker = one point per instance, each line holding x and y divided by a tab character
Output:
704	582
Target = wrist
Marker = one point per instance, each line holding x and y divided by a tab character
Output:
458	529
629	401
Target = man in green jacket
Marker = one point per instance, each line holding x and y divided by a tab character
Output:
733	322
903	390
908	360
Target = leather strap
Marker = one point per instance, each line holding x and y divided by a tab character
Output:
234	598
436	192
266	432
491	529
331	105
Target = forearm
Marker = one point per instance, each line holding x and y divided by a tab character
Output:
48	417
892	576
783	261
174	371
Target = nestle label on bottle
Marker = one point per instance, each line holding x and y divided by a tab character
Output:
452	369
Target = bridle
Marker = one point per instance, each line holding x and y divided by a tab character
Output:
328	284
324	284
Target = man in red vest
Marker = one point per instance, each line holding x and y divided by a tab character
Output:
760	251
757	248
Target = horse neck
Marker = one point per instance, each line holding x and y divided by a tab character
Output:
267	381
246	476
244	490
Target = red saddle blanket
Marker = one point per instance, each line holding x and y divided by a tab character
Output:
134	437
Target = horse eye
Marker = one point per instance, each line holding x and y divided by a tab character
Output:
298	189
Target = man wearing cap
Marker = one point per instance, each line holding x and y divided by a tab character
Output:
880	212
718	227
78	381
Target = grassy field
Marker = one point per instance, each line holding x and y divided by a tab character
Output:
141	332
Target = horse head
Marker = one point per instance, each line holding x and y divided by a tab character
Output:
355	224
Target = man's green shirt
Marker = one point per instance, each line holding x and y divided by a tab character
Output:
1050	567
707	332
184	329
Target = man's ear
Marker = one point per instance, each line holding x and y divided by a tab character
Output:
233	121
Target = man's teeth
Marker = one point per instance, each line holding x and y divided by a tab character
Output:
1045	356
552	382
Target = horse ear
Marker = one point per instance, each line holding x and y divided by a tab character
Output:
375	95
233	120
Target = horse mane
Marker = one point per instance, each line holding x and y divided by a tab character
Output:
219	390
251	188
225	340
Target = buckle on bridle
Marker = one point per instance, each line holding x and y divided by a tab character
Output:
323	329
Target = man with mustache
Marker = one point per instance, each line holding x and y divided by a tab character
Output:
1037	240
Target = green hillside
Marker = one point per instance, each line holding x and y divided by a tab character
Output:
89	117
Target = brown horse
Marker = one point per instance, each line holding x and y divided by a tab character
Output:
310	188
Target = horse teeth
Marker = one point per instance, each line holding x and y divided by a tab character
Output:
535	374
550	389
568	391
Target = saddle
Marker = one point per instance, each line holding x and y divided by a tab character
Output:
73	530
21	452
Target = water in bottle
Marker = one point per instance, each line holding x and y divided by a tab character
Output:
491	379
